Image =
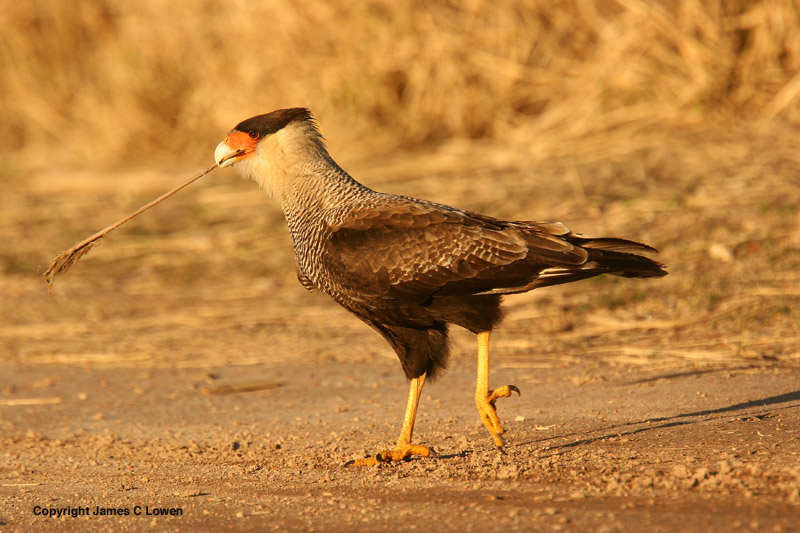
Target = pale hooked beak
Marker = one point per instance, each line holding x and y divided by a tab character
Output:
224	156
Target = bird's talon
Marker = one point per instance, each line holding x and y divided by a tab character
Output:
488	411
502	392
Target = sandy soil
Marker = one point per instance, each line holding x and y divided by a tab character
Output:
607	449
180	366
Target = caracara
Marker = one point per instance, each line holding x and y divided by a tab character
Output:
407	267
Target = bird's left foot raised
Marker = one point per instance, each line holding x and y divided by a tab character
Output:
488	412
399	453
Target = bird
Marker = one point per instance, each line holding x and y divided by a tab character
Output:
410	268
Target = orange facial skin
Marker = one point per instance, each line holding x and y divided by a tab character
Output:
242	143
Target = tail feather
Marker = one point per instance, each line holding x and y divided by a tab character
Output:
612	244
625	264
617	257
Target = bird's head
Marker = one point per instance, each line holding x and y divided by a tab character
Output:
265	146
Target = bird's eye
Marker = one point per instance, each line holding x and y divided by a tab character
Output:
254	134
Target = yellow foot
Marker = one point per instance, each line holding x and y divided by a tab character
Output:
399	453
488	411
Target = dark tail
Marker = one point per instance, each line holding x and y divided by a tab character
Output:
617	257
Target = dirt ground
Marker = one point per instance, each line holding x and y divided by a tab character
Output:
596	448
180	366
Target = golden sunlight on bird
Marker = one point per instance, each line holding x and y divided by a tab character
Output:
407	267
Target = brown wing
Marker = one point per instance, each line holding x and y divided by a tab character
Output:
414	250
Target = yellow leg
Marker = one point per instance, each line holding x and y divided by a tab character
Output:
403	449
485	398
414	392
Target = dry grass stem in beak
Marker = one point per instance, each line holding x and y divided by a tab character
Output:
65	260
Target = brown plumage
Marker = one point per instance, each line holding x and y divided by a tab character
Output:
410	267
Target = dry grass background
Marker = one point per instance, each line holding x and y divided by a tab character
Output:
670	122
107	81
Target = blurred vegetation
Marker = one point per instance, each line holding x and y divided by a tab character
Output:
105	82
670	122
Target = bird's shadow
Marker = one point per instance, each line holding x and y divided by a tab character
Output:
455	455
682	419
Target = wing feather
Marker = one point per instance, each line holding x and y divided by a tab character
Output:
418	250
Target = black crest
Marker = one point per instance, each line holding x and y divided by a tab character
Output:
271	122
